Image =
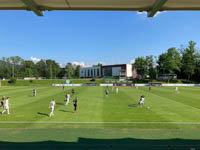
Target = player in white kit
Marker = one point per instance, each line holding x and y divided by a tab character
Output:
113	88
52	106
67	98
117	90
176	89
6	106
141	103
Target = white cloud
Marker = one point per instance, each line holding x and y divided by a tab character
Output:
35	59
145	13
141	12
159	12
82	64
62	65
132	61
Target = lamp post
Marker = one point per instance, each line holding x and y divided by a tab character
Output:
13	69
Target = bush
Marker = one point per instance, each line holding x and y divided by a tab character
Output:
186	81
92	80
173	81
140	81
12	80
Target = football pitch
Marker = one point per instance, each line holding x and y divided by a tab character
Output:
168	120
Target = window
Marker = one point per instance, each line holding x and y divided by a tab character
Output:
91	72
88	72
108	72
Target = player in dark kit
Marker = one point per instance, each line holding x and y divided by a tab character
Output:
149	87
75	101
107	92
73	92
2	101
34	92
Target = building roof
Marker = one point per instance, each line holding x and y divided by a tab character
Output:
151	6
116	65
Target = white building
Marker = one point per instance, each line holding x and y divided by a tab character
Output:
121	71
90	72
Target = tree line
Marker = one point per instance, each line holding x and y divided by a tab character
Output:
17	67
184	62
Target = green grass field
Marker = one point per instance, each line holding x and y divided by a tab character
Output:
172	120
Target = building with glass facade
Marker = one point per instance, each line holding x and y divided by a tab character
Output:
121	70
90	72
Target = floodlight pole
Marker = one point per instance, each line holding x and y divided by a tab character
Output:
33	6
157	6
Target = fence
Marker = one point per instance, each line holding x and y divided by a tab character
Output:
163	85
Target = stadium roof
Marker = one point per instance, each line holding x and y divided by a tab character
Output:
151	6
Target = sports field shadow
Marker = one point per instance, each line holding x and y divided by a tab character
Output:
66	110
62	104
39	113
132	105
106	144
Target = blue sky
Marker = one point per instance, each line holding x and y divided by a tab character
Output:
111	37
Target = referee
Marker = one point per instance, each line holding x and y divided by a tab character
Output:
73	92
75	101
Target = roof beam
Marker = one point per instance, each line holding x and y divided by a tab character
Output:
33	6
157	6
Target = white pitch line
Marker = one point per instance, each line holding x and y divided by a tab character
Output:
42	122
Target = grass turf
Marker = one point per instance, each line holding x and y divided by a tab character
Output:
165	106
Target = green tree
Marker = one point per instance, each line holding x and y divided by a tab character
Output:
169	62
162	63
188	59
27	69
141	66
15	62
151	70
41	68
69	70
77	71
2	67
197	65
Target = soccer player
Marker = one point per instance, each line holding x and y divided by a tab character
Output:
107	92
34	92
117	90
63	87
67	98
6	106
176	89
52	106
2	101
75	101
141	103
73	92
149	87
